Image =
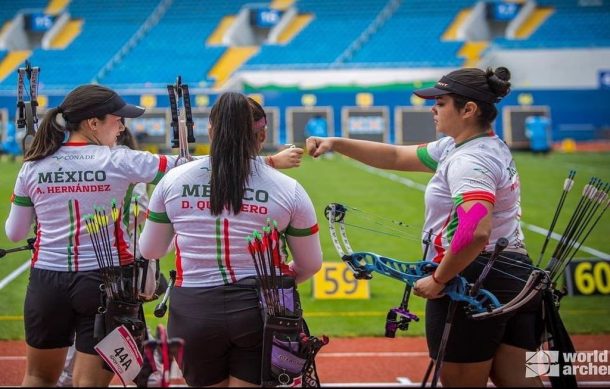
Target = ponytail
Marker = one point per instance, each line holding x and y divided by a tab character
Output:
49	136
51	133
232	149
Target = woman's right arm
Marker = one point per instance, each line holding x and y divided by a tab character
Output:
303	237
155	239
376	154
21	216
307	255
158	231
19	221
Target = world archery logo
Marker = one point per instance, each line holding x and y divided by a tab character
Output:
542	363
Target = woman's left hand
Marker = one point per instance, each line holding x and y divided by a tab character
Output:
288	158
427	288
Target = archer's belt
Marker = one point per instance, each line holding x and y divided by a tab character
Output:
249	282
513	250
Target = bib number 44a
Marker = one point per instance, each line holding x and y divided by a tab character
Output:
122	357
120	351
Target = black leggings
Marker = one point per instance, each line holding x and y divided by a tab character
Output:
222	328
60	304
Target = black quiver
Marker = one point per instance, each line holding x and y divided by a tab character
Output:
557	337
288	349
130	315
119	309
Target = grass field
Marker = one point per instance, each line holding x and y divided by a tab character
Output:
337	179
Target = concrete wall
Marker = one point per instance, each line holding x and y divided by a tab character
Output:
551	69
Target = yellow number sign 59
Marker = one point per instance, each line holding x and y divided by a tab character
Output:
336	281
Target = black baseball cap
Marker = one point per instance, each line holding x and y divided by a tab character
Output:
114	105
447	85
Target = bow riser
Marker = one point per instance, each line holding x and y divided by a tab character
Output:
365	263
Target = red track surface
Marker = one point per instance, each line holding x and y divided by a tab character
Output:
353	360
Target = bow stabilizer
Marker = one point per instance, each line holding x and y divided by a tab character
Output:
26	110
182	119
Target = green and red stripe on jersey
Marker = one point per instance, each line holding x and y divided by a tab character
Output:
438	242
222	239
77	144
126	257
157	217
179	270
425	158
36	245
292	231
23	201
161	170
473	196
73	237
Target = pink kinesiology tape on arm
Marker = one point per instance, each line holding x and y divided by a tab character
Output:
467	225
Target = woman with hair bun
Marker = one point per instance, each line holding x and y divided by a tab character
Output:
472	200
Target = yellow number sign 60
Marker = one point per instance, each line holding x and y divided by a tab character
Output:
592	277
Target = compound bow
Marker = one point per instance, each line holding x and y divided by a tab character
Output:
480	303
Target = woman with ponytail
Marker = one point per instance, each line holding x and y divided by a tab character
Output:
472	200
208	208
71	168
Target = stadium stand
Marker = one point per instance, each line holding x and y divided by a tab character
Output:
138	47
128	48
329	33
10	59
568	26
423	20
176	45
104	32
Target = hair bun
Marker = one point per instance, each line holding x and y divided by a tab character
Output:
498	81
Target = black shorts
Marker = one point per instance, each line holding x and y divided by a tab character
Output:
59	305
477	340
222	328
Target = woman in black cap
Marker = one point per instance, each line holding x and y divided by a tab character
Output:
472	200
71	168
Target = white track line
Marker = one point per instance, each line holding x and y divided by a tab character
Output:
386	354
415	185
14	274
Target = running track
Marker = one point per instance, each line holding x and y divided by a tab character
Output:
343	362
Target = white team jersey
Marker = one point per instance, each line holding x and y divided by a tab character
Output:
213	250
479	169
65	187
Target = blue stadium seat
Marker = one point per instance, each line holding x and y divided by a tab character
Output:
570	26
176	45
